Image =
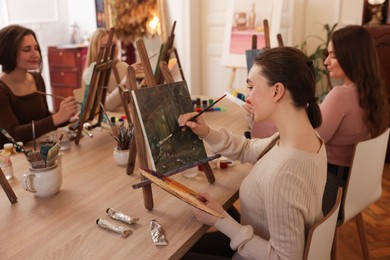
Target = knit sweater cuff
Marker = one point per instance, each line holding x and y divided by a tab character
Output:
234	230
212	137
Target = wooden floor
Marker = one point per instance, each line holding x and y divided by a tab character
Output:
377	224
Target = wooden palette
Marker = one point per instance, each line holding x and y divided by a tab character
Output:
179	190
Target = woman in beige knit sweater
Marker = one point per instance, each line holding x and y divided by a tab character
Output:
281	196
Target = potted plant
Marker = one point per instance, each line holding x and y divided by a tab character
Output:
318	57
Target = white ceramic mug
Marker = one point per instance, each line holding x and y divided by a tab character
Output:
43	182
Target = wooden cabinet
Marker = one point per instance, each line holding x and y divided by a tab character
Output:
66	68
381	36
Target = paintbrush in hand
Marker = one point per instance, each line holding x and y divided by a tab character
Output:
191	119
52	95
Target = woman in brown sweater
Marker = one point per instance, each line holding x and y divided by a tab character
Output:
20	54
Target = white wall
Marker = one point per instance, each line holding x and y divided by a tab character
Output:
185	13
319	12
84	14
191	34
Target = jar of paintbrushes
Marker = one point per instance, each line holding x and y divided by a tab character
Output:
122	136
44	177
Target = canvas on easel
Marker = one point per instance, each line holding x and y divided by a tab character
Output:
96	91
158	108
141	144
243	20
254	51
126	100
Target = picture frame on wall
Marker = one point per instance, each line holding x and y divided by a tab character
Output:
101	13
244	19
388	13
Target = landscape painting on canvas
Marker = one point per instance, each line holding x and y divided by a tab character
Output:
158	109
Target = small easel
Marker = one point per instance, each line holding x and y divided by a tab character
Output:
97	91
167	50
7	188
254	46
164	56
280	40
140	143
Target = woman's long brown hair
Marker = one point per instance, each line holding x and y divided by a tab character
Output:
355	52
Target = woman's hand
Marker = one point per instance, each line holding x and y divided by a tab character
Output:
249	108
198	126
68	108
204	217
137	67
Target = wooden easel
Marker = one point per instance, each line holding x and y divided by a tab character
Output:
126	99
159	76
140	143
97	91
254	46
167	51
280	40
7	188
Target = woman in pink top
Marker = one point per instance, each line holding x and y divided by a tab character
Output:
355	111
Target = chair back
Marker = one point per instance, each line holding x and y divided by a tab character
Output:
320	238
364	184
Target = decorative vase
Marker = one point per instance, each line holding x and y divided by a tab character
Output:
240	19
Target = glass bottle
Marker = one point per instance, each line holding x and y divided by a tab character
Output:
6	165
252	18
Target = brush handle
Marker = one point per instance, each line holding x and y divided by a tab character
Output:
54	96
201	112
179	128
9	137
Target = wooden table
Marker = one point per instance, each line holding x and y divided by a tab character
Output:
63	226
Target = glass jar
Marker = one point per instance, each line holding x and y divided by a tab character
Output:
8	147
190	173
121	156
6	165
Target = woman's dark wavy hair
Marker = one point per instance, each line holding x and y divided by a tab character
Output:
355	52
10	39
295	71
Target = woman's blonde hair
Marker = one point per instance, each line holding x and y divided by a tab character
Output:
95	45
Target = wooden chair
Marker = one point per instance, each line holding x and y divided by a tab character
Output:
320	238
363	186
